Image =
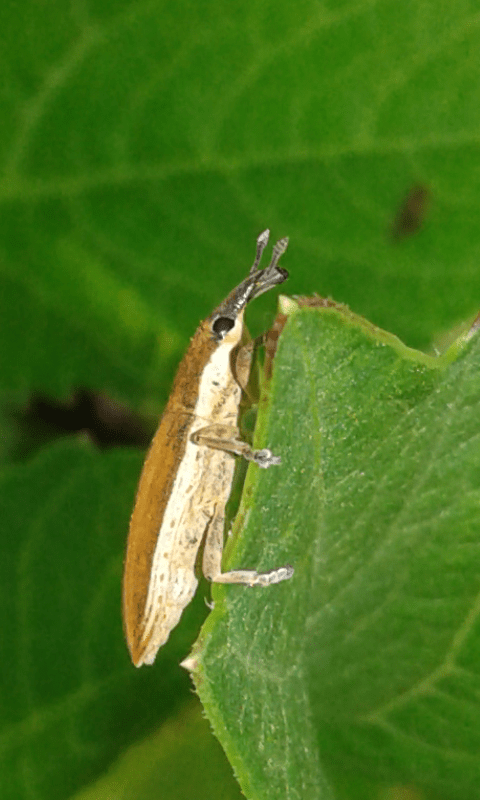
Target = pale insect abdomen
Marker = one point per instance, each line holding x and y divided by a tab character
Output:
202	483
204	480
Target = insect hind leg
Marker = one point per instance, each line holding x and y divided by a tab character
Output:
249	577
212	560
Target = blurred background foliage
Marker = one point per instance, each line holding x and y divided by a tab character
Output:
144	146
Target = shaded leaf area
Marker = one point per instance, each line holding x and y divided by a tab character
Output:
367	660
181	760
70	698
103	421
144	146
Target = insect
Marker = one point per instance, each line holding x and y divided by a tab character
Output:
188	473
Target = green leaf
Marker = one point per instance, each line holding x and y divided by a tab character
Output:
368	657
182	760
70	698
144	147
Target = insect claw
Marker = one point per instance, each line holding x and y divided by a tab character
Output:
265	458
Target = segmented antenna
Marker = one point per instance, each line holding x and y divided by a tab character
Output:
278	250
262	242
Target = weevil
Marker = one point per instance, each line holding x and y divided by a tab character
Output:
188	473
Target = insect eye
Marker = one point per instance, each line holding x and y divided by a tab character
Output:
222	325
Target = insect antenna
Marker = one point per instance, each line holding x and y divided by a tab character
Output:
262	242
278	250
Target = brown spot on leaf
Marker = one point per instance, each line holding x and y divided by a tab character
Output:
412	212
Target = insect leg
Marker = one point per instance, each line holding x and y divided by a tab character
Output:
226	437
212	560
242	362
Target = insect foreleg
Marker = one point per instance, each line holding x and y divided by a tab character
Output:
242	363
